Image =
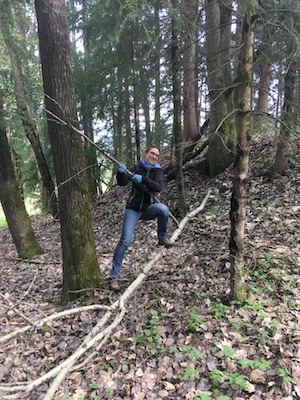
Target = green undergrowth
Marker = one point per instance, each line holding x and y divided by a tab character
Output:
199	338
2	221
271	284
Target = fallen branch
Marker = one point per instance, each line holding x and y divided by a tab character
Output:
99	333
61	314
22	260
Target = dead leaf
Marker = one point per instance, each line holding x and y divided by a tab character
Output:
169	386
257	376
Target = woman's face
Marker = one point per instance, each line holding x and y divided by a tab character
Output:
152	155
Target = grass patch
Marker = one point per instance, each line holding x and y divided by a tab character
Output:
2	218
2	222
31	208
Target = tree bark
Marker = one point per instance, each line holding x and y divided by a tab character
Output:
127	121
283	147
87	109
25	110
12	202
190	123
146	108
241	165
177	130
80	264
157	136
119	152
222	138
136	98
263	92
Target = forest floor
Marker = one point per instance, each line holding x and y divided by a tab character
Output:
178	339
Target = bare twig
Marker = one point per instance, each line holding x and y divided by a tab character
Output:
52	317
29	288
12	306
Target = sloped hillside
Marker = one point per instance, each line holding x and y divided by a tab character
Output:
178	340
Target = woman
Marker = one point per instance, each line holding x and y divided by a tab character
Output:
147	179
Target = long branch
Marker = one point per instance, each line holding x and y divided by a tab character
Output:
105	153
54	316
99	333
124	297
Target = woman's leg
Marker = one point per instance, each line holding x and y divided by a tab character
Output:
161	212
130	219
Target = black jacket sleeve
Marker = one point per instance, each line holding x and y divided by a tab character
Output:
154	183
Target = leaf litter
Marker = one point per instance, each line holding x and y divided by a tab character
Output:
180	338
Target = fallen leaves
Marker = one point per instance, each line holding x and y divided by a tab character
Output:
242	352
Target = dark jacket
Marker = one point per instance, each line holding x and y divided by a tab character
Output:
152	181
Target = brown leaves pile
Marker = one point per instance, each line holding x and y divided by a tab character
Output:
179	339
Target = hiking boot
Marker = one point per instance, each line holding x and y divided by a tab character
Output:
114	285
166	242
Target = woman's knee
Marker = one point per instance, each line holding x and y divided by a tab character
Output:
164	209
125	242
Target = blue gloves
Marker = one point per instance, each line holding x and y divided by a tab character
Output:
121	168
137	178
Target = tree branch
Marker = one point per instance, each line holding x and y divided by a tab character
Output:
61	314
99	333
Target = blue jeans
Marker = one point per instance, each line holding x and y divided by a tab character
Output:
130	219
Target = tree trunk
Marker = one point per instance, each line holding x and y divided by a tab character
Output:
136	100
127	121
222	137
87	109
157	136
177	131
119	151
13	205
283	147
16	161
241	165
25	110
190	124
263	92
80	264
145	101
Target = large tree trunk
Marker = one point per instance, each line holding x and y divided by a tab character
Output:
241	165
222	137
25	110
177	130
12	202
283	147
190	123
80	264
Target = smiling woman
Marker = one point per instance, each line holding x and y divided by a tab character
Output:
146	178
